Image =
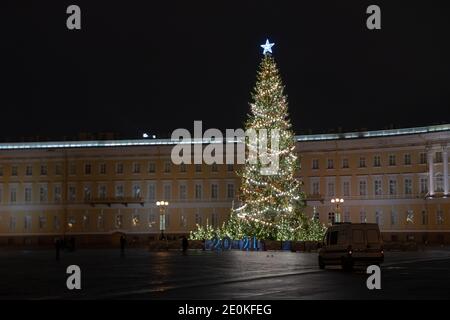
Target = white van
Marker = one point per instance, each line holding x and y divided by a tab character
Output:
347	244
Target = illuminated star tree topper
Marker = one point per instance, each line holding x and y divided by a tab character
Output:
267	47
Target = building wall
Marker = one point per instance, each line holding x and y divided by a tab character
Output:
59	191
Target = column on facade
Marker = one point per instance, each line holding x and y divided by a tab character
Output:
445	164
430	172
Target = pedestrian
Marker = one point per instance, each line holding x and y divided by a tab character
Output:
57	248
184	244
122	245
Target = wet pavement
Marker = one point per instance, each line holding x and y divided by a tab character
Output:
217	275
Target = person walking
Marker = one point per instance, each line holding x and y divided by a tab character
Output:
122	245
184	244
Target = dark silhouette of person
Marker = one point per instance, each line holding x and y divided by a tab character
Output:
57	248
184	244
123	242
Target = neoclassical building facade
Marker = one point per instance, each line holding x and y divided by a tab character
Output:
97	190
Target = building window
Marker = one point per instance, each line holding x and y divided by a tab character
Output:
12	223
423	158
87	169
362	162
346	188
119	221
392	161
13	195
198	218
214	220
330	164
167	165
183	192
167	191
347	217
315	164
363	188
230	191
136	168
102	168
378	187
407	159
330	189
315	188
394	218
230	167
85	222
183	168
72	169
42	222
87	193
183	220
100	221
119	191
214	191
151	219
102	191
57	194
409	217
198	191
214	167
1	171
198	168
56	223
151	167
27	225
14	171
363	217
423	185
58	169
119	168
440	217
345	163
29	170
379	217
331	217
72	193
377	161
151	192
71	221
136	191
408	187
424	217
43	194
392	187
28	194
167	220
438	157
43	170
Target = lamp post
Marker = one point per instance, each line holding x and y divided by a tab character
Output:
162	205
337	202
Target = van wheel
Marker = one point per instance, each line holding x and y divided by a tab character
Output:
321	263
347	264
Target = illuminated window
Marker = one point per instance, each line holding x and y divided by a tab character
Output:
315	164
392	160
362	162
377	161
407	159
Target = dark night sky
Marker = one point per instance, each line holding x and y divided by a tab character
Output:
158	65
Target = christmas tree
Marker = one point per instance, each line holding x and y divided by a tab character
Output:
271	200
272	204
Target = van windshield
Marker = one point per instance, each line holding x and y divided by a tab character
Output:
373	236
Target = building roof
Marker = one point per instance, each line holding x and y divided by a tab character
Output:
165	142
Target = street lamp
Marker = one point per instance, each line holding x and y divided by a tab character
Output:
162	205
337	202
